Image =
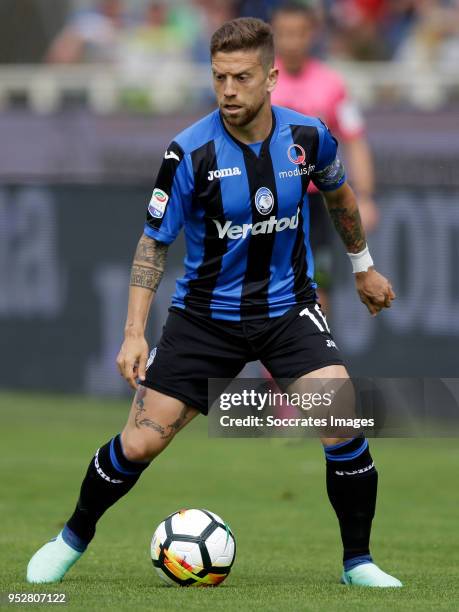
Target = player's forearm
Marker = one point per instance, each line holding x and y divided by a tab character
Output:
344	212
146	274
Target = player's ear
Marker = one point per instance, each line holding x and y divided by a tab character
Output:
273	75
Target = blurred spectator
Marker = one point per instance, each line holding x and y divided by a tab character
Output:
397	23
309	86
434	37
27	27
90	35
405	30
169	37
211	15
165	33
263	9
355	31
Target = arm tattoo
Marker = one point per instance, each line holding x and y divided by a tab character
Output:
149	263
141	421
142	276
349	226
152	252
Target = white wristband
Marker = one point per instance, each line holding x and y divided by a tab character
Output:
361	261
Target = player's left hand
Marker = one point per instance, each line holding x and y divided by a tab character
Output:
374	290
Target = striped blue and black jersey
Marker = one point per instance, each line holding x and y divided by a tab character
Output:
245	212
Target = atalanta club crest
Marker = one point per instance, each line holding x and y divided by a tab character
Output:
264	201
296	154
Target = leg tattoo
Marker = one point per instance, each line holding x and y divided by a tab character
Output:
141	421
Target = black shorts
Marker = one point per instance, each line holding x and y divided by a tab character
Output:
193	349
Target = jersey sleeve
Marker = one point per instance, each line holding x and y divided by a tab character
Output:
329	173
171	197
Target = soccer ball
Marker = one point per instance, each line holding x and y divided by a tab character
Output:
193	548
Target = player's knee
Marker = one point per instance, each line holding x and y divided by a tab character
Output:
141	448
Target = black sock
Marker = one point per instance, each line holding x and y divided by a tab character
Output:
110	476
352	483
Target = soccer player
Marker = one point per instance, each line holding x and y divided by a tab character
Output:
236	181
309	86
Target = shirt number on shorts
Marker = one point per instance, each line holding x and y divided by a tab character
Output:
320	321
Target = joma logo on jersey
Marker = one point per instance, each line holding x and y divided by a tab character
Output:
234	232
213	174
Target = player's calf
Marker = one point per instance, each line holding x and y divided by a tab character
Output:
113	471
352	482
110	475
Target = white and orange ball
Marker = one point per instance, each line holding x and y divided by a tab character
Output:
193	548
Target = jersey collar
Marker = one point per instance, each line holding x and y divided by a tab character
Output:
245	147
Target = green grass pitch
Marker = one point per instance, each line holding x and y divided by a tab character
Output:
271	492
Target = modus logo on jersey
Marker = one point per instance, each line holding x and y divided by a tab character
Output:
158	203
296	154
234	232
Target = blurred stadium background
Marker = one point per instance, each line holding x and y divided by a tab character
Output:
90	95
91	92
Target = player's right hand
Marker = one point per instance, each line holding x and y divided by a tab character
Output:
132	359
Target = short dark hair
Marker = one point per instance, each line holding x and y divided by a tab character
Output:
244	34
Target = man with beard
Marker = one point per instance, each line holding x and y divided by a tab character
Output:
237	182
